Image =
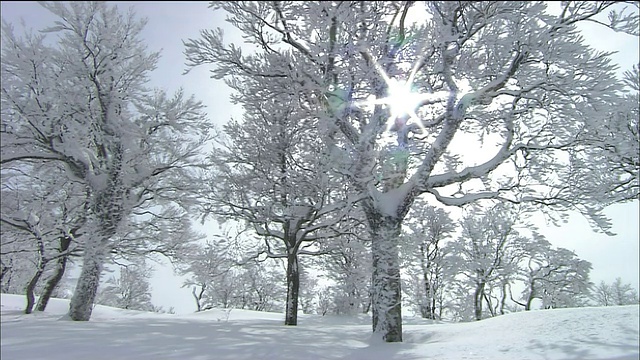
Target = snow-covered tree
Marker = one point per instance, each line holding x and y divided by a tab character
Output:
348	265
460	304
42	215
515	87
308	290
488	251
264	288
615	293
130	147
554	275
130	290
615	145
325	300
271	173
428	228
218	277
203	266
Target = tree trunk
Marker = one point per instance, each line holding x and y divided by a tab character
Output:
108	210
426	310
198	297
428	293
81	304
386	290
367	305
5	270
31	286
61	265
530	298
489	304
433	308
293	289
477	300
503	298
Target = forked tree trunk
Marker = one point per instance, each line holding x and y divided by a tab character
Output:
385	282
293	290
61	265
31	286
198	296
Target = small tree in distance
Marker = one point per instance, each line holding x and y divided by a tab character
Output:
130	290
614	294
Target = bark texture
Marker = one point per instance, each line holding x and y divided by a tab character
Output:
293	290
386	289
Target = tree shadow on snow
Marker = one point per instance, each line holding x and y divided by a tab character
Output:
178	339
583	348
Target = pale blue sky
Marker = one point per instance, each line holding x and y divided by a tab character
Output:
170	22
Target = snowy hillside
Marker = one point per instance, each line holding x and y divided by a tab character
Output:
584	333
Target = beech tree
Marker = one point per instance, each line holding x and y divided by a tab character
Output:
518	87
552	275
423	249
616	293
270	172
616	144
131	147
41	216
487	250
203	265
347	264
130	290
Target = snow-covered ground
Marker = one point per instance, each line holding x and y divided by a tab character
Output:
584	333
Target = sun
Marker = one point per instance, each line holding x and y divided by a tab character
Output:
402	99
402	102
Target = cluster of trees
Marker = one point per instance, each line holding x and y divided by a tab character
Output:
95	165
486	264
322	150
615	293
324	168
220	278
472	276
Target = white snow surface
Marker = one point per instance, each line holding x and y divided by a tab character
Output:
583	333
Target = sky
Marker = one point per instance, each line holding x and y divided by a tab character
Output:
605	333
171	22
